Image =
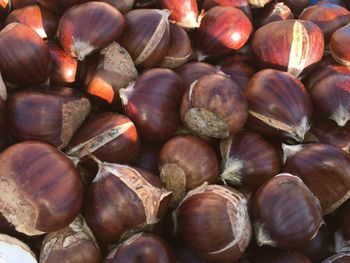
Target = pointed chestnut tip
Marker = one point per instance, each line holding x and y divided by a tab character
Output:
289	150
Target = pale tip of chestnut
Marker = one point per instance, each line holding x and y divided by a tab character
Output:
341	116
81	49
125	93
14	250
232	168
289	150
341	245
3	91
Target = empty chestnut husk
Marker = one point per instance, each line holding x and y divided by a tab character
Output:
241	4
183	12
14	250
339	47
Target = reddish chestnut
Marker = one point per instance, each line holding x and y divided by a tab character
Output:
285	213
183	12
14	250
241	4
338	258
221	233
274	12
89	26
214	106
339	46
290	45
153	103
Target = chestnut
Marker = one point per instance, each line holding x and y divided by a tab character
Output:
89	26
289	45
144	3
32	64
122	5
14	250
183	12
222	30
46	114
338	258
266	254
297	6
42	190
285	213
72	244
37	17
273	12
222	232
16	4
241	4
184	254
324	169
214	106
186	162
134	196
248	160
146	36
342	219
148	157
109	136
278	105
113	71
146	246
153	103
339	47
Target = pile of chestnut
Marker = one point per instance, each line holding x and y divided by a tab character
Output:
175	131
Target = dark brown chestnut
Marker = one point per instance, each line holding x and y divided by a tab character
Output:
342	219
222	30
148	157
90	26
339	47
241	4
47	114
72	244
146	246
16	4
186	162
289	45
134	196
273	12
297	6
146	36
248	160
324	169
153	103
122	5
144	3
59	6
214	106
266	254
14	250
278	105
285	213
222	232
183	12
32	64
109	136
42	190
338	258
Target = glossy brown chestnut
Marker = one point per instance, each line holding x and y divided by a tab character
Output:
339	45
285	213
146	246
192	71
324	169
122	5
72	244
47	114
42	190
289	45
248	160
342	219
186	162
134	196
272	13
112	71
183	12
146	36
184	254
32	64
338	258
90	26
148	157
109	136
266	254
14	250
222	30
59	6
221	233
241	4
37	17
278	105
153	103
179	49
214	106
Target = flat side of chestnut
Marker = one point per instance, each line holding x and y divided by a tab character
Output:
339	47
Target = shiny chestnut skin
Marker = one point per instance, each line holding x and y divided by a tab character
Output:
183	12
186	162
109	136
223	29
32	64
146	36
342	219
135	196
37	17
153	103
184	254
266	254
146	246
248	160
241	4
72	244
47	114
293	214
338	258
54	196
339	47
272	111
122	5
89	26
221	233
324	169
214	106
289	45
148	157
273	12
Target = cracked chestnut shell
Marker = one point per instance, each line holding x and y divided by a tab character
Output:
186	162
339	45
42	190
214	106
241	4
89	26
279	105
285	213
324	169
221	233
289	45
